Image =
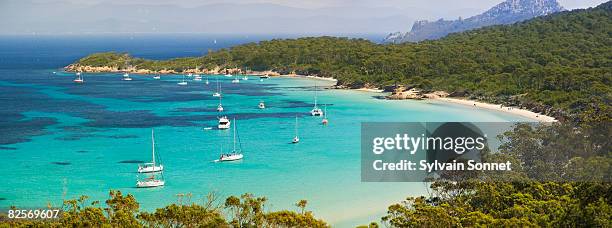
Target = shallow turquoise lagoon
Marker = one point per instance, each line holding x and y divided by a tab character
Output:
62	140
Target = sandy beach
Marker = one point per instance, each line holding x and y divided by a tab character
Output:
516	111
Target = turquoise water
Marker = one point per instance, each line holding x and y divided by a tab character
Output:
61	140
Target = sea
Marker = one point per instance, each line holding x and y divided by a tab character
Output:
60	140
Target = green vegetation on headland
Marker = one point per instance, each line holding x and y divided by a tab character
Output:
560	65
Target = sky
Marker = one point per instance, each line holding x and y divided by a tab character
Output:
323	17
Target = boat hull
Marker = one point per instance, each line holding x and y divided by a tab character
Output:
232	157
150	184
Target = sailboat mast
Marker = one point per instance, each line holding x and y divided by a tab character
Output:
153	146
296	126
234	134
315	101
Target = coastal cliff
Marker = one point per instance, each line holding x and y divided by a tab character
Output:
507	12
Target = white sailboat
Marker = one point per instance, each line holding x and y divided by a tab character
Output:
157	77
325	121
220	107
236	153
207	80
316	111
151	167
79	78
197	77
262	105
236	80
246	77
151	181
218	93
126	77
183	82
296	139
224	123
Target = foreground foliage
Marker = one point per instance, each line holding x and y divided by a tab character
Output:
123	211
562	179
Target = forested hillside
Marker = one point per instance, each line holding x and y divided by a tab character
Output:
559	64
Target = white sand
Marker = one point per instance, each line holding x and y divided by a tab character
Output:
369	90
516	111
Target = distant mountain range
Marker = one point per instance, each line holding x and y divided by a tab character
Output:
508	12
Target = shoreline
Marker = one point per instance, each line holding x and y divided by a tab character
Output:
478	104
496	107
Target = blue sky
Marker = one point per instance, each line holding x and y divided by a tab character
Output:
239	16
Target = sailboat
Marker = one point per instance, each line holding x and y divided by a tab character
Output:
246	77
296	139
262	105
157	77
325	121
220	107
182	83
197	77
126	77
236	80
150	182
236	154
151	167
316	111
218	93
224	123
207	80
79	78
227	74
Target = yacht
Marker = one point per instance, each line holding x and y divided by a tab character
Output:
126	77
296	139
79	78
151	167
183	82
236	153
264	76
262	105
316	111
150	182
224	123
157	77
197	77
